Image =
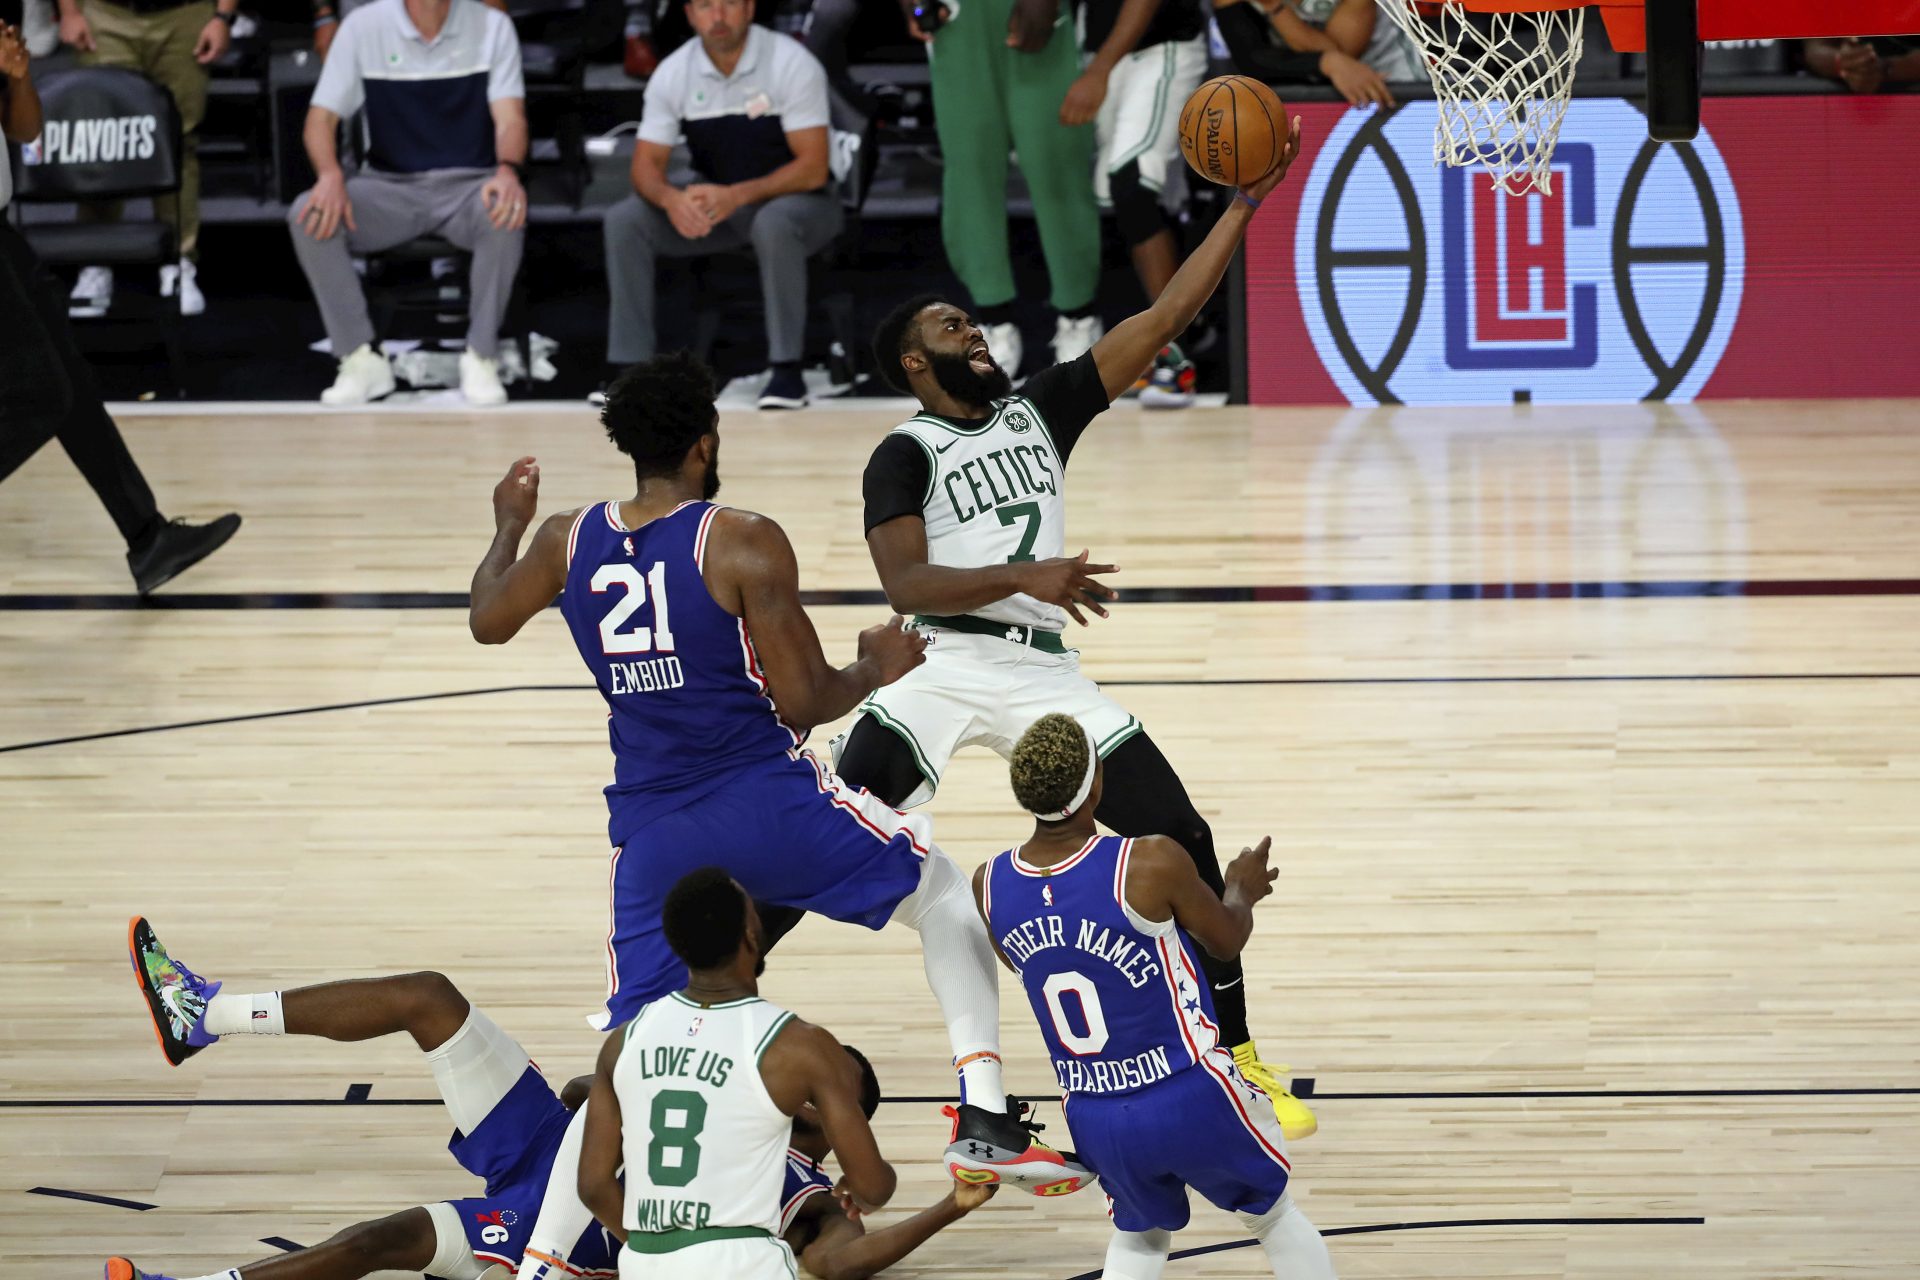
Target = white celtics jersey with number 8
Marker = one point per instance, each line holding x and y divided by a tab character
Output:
705	1145
996	497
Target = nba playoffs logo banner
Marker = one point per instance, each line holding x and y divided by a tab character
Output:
1425	285
1653	271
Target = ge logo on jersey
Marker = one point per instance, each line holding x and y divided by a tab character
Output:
1019	423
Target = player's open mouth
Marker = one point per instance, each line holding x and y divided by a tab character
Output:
980	358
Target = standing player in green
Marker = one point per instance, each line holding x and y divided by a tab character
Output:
966	523
1000	70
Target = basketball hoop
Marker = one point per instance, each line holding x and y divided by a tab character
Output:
1503	74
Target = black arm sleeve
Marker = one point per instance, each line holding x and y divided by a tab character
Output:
1245	30
896	480
1069	396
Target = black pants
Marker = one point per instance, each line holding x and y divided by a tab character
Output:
1143	796
47	391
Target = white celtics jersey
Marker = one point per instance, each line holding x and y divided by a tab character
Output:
996	496
705	1146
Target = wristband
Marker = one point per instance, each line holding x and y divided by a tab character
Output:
1251	202
225	17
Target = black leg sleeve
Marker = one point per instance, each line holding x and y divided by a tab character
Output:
1142	796
876	758
55	395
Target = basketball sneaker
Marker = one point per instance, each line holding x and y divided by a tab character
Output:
1170	383
123	1269
999	1147
176	996
1296	1119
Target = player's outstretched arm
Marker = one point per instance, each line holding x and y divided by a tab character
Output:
843	1250
1162	884
806	1064
752	573
1129	348
509	589
600	1153
899	551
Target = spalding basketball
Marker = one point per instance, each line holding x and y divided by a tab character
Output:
1232	130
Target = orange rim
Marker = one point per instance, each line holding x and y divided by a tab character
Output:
141	984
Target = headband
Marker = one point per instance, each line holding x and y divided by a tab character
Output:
1086	786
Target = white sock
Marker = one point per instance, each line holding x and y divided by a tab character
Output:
562	1219
1292	1244
1137	1255
234	1015
963	973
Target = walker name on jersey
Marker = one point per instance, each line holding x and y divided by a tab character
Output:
997	478
671	1215
668	1061
1135	963
649	675
107	141
1078	1076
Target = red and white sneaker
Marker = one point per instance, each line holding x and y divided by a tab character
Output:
999	1148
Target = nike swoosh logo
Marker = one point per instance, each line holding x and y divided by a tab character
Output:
170	997
944	447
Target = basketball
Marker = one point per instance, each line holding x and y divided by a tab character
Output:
1232	129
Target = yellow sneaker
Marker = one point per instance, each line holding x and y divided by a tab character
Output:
1296	1120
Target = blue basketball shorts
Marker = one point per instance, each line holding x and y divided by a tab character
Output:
1206	1128
790	832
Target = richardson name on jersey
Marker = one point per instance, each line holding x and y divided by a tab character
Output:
649	675
1095	1075
1135	963
994	479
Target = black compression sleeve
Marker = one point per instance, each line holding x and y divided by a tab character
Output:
1069	396
896	480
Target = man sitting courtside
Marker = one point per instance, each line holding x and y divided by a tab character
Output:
446	134
752	106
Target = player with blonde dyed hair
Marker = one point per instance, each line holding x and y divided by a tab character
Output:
1101	931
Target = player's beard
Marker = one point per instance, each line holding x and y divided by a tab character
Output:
959	379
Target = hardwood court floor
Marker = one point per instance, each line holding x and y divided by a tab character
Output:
1591	763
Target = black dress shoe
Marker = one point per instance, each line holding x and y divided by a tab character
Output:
175	548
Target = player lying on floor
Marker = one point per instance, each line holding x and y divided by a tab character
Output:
511	1143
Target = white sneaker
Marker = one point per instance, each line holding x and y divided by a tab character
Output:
364	375
92	292
480	380
1004	345
186	279
1074	338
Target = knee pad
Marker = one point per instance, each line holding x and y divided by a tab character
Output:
1136	207
453	1257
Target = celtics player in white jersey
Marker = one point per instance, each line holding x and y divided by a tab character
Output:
696	1098
966	522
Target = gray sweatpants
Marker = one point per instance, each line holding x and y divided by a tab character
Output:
784	232
390	209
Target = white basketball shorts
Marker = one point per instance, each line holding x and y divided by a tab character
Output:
977	690
1140	120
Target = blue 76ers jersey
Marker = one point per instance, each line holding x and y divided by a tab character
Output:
687	704
1119	998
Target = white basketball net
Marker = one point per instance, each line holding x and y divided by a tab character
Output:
1503	81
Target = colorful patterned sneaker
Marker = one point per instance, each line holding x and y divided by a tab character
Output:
1170	382
1296	1119
176	999
123	1269
990	1147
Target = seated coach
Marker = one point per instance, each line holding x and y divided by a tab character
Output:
445	128
752	106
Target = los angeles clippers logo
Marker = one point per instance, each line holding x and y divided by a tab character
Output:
1509	301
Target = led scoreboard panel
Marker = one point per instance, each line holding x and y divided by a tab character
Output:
1776	255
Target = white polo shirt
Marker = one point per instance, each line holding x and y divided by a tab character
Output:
426	100
736	126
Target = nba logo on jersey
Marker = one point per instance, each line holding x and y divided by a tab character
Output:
1509	301
626	544
1046	894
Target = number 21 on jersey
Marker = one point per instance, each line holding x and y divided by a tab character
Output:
657	638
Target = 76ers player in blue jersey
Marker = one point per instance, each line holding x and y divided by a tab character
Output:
1101	931
688	615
